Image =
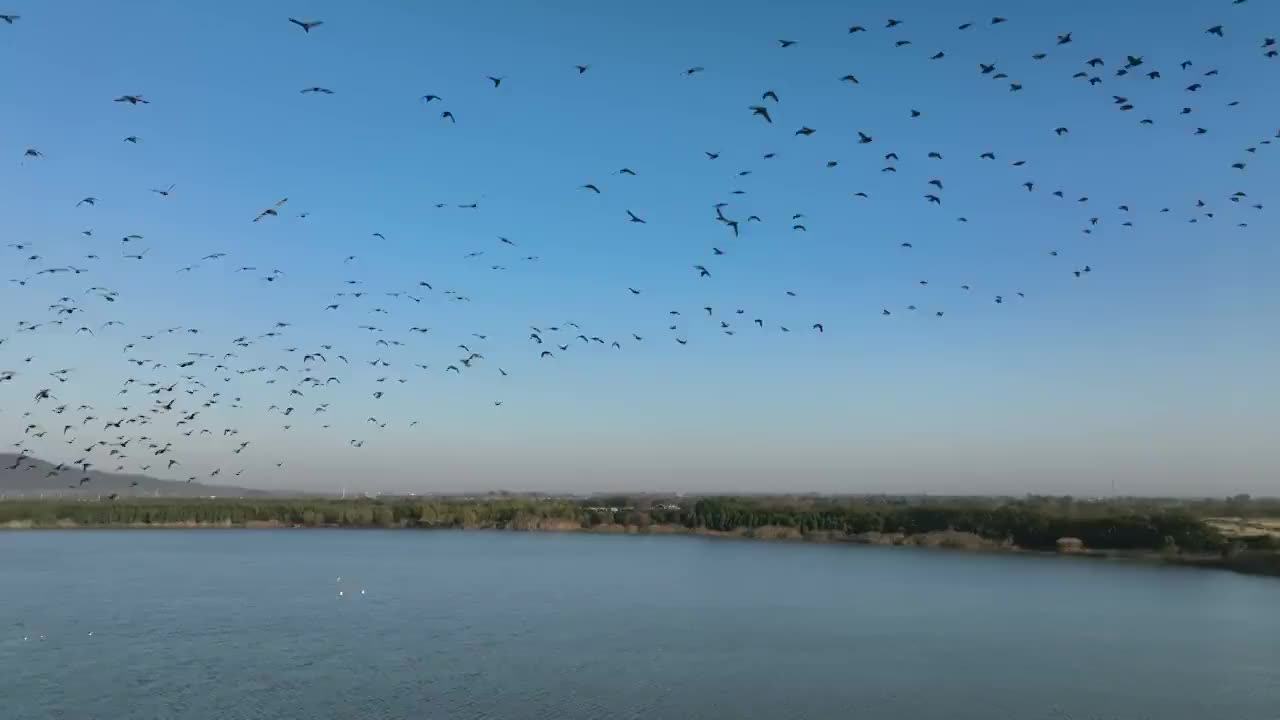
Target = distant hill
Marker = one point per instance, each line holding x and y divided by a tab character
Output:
34	477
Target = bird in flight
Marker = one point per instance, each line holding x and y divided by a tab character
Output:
272	211
165	192
322	91
132	100
306	25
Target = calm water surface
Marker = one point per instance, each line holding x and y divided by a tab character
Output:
206	625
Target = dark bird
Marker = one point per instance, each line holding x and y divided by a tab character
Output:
1061	131
762	112
694	69
850	79
769	95
805	131
447	114
634	218
132	100
1064	38
786	43
496	80
582	68
306	25
323	91
1215	30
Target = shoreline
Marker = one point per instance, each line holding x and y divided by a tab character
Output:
1257	564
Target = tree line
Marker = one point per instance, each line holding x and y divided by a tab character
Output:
1029	523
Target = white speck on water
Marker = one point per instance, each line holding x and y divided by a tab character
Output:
339	593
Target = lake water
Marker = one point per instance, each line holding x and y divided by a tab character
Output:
230	625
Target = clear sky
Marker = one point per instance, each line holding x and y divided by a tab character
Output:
1155	371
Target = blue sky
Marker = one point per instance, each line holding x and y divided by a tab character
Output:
1153	371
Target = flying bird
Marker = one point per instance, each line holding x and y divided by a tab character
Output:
306	25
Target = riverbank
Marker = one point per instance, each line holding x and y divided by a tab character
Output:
1253	562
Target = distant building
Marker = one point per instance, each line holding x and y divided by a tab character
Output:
1070	545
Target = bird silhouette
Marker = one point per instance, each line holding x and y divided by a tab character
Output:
306	25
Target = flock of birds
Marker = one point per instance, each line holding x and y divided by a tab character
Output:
178	391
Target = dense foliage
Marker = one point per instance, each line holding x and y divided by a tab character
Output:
1028	523
1021	524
